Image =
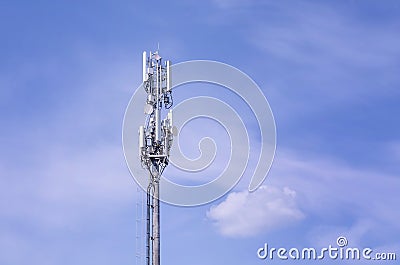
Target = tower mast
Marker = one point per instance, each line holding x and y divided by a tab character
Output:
155	141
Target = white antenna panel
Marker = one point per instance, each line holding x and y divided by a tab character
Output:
145	76
169	83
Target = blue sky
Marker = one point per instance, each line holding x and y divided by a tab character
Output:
329	70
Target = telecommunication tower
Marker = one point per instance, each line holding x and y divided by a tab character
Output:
155	141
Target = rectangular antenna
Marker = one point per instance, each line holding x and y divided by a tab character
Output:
170	118
169	83
142	143
145	76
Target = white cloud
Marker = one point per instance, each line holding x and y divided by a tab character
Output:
323	235
72	165
324	50
320	34
65	173
247	214
354	202
324	182
68	188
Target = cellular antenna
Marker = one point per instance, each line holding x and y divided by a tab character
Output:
155	141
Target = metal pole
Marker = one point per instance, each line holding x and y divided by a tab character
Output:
156	222
148	226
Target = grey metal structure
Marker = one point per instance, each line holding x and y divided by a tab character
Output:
155	141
